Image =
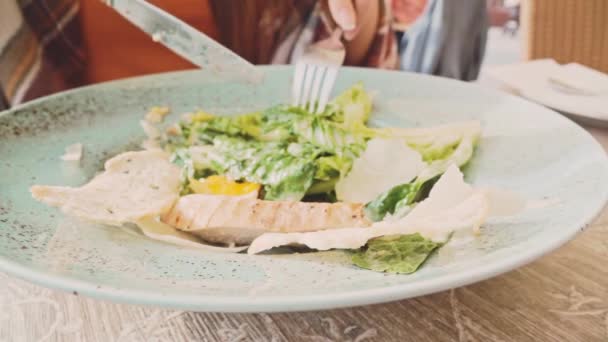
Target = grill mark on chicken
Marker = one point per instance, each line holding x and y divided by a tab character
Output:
233	218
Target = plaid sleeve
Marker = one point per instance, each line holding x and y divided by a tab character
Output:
40	48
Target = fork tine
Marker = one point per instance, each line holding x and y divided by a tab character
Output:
310	71
316	86
328	84
298	80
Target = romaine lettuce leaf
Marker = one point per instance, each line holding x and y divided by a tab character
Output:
435	143
460	156
326	135
244	124
322	187
277	123
286	170
289	182
330	167
200	128
395	254
387	202
281	123
351	108
464	136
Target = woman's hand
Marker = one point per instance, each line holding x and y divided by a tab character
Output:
344	14
359	21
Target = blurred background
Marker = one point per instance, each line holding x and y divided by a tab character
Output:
51	45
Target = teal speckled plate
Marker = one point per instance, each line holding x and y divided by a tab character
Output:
525	148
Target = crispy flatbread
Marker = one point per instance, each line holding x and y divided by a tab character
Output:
134	185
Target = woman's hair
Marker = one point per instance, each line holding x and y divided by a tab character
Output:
254	28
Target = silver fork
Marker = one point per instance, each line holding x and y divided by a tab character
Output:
315	73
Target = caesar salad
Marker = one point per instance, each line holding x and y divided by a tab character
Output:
387	196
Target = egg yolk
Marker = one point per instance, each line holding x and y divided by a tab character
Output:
220	185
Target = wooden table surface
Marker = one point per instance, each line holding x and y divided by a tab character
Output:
560	297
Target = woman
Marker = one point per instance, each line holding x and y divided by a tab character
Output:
43	43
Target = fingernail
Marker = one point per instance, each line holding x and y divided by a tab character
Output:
346	19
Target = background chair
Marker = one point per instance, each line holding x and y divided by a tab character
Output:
567	31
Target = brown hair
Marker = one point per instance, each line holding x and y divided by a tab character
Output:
254	28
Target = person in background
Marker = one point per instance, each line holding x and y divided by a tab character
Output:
51	45
41	49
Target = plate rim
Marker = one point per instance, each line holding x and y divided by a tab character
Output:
505	87
287	303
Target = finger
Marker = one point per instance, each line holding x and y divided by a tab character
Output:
363	10
343	13
351	34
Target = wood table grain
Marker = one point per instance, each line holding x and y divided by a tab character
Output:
560	297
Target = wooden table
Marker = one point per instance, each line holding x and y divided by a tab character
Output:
561	297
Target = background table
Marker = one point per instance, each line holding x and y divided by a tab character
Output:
560	297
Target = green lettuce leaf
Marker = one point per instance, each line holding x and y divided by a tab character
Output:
285	124
435	143
285	169
331	167
395	254
326	134
351	108
181	157
460	156
328	168
465	138
201	132
277	123
245	124
387	202
290	183
322	187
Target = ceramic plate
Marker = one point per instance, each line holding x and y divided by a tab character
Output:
532	80
526	148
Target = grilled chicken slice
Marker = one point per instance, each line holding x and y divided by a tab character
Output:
240	219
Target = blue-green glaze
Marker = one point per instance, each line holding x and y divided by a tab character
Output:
525	148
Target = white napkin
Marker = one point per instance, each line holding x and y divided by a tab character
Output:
570	88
